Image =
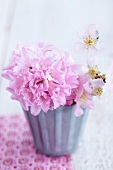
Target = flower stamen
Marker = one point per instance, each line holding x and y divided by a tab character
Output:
40	82
84	95
97	91
93	71
90	42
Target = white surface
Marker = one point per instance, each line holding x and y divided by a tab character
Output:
96	151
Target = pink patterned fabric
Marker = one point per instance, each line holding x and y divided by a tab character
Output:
17	151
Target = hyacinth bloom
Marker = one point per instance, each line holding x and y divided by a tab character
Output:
42	77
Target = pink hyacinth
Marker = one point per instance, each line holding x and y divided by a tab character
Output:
42	77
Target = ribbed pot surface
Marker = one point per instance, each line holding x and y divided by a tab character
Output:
58	131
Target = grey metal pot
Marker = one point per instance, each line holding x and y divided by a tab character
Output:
58	131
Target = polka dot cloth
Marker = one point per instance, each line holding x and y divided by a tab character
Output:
17	151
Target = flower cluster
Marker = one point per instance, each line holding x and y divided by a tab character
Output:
42	77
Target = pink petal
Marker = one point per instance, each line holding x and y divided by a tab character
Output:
88	87
28	52
78	110
72	80
35	110
69	102
88	104
6	75
45	106
56	104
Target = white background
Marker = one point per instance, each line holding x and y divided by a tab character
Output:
54	22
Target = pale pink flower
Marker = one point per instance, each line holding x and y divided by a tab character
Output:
89	37
89	43
83	96
95	87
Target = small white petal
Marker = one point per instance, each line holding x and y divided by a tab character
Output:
79	47
91	56
97	83
83	33
93	31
